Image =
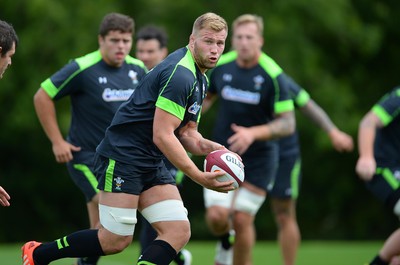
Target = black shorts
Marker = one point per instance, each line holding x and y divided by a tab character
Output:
260	171
287	179
81	172
385	185
115	176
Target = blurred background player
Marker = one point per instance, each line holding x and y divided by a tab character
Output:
8	45
152	48
378	164
97	84
255	108
285	189
151	45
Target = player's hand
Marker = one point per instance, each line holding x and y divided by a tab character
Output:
4	197
365	168
63	151
341	141
211	182
240	141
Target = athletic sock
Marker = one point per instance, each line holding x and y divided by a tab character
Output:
159	252
378	261
179	259
88	260
226	240
83	243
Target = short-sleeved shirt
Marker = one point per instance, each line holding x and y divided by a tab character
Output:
387	141
96	90
177	86
289	145
248	97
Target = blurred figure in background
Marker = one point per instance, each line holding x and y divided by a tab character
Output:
378	164
284	191
97	84
151	48
255	109
151	45
8	45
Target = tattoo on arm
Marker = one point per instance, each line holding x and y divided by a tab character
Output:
282	126
317	115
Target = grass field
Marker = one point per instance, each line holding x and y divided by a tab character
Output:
265	253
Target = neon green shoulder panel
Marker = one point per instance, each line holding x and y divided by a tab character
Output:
83	62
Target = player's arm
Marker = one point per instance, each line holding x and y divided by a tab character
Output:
46	112
164	138
283	125
341	141
4	197
366	164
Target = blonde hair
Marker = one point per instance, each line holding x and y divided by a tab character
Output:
210	21
249	18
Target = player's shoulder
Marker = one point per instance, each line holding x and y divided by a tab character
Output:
269	65
88	59
226	58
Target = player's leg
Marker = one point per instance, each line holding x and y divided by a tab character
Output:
81	172
117	214
284	211
162	206
117	217
147	233
218	218
248	201
386	187
283	204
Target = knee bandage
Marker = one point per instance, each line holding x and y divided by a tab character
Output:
247	201
168	210
215	198
120	221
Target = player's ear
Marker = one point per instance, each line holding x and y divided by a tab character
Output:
191	41
1	50
164	52
100	39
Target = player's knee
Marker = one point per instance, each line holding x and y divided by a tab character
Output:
119	245
119	221
217	215
248	201
242	221
282	218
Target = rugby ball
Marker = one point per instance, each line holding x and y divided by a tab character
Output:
224	160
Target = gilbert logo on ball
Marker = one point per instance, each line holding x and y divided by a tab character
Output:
224	160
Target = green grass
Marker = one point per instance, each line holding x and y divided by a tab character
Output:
265	253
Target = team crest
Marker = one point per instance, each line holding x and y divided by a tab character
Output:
194	108
133	75
119	181
258	81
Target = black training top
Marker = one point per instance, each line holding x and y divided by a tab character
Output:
177	86
387	141
248	97
96	91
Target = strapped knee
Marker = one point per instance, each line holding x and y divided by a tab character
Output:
120	221
168	210
247	201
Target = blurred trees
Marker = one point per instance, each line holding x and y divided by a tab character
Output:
345	53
